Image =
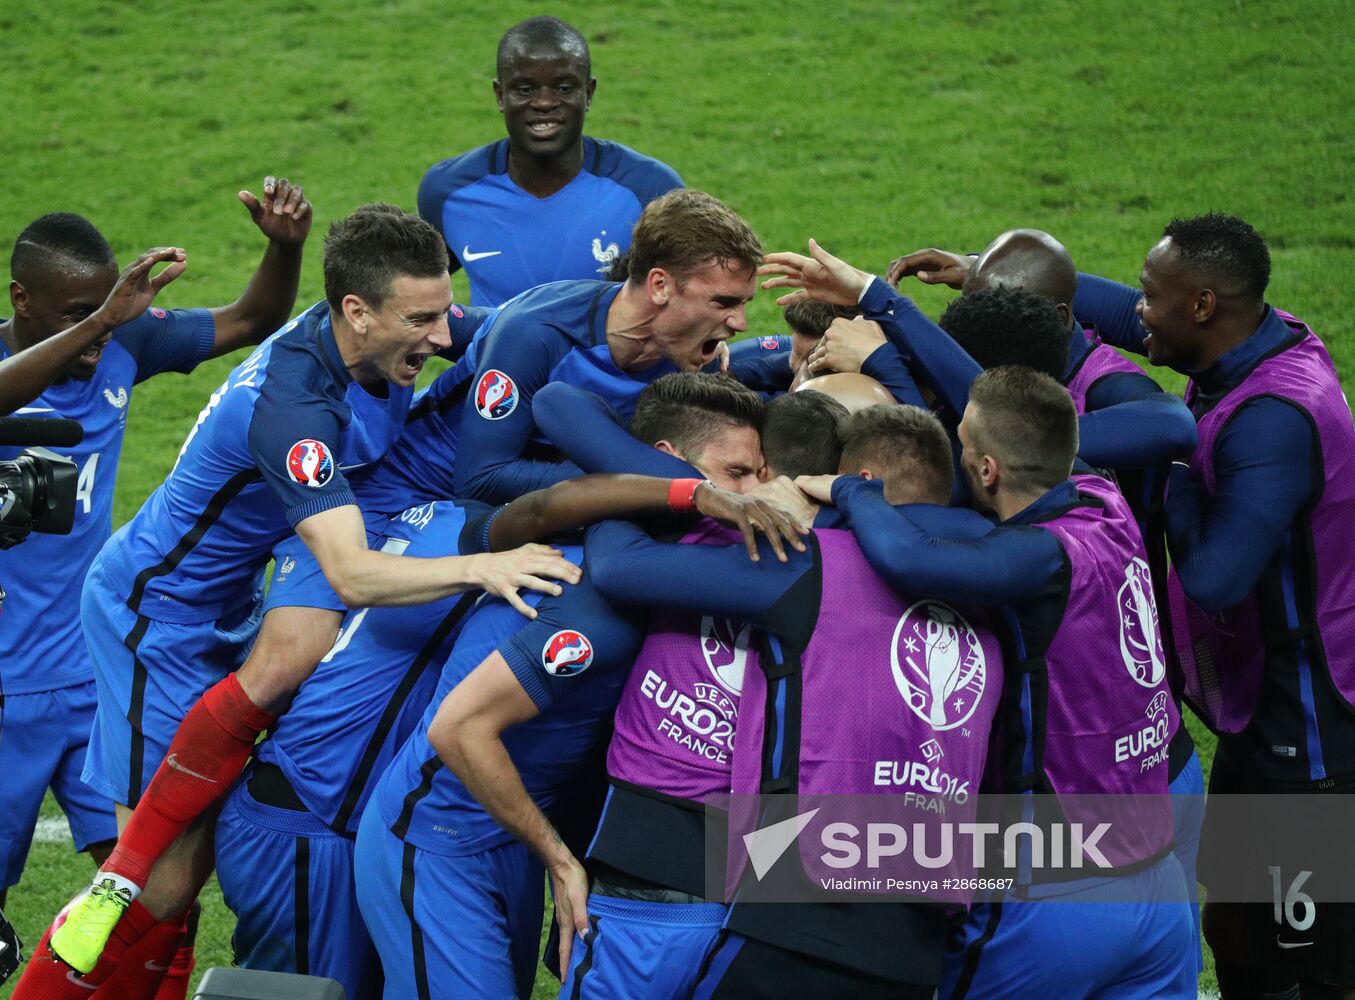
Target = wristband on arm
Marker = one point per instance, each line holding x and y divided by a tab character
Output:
682	495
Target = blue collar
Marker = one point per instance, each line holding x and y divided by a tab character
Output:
1228	371
1079	346
329	347
1060	498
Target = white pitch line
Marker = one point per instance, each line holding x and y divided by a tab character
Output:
52	830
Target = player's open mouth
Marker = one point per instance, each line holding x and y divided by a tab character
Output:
545	129
708	349
414	362
90	355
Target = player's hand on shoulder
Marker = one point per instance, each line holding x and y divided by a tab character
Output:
136	287
767	511
528	567
846	345
931	267
820	276
284	214
819	488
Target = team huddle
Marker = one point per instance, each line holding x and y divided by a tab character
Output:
390	661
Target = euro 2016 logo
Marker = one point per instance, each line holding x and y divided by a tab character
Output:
567	653
309	463
495	395
938	664
724	645
1140	640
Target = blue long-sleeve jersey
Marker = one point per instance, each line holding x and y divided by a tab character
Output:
554	333
1223	546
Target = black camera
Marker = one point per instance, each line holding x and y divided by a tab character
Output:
37	489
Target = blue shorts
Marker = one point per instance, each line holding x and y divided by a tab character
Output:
466	926
637	948
297	580
1077	945
43	737
149	674
289	880
1188	818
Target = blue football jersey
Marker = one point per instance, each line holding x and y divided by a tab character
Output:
571	660
554	333
270	449
367	693
509	240
41	646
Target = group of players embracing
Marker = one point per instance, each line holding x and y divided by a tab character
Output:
544	616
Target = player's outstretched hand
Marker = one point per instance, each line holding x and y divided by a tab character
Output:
931	267
570	883
529	567
819	488
752	515
284	215
137	287
845	346
819	276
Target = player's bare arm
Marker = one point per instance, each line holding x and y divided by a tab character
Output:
25	375
820	276
931	267
577	503
363	578
284	216
467	734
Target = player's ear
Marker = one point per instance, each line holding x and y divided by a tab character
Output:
668	448
355	313
588	95
1205	304
659	285
866	474
498	94
18	298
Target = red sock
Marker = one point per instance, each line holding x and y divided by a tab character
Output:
49	978
208	753
175	984
144	967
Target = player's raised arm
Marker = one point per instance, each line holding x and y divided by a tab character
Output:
25	375
931	267
284	216
819	276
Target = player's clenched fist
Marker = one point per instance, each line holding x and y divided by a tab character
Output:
530	567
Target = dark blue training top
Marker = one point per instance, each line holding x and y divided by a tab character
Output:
1221	547
509	240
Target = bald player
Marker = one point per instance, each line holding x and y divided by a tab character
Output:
852	389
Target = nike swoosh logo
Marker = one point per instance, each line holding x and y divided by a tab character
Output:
152	967
72	977
467	256
170	760
34	409
1293	944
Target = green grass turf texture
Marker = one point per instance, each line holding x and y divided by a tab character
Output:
876	128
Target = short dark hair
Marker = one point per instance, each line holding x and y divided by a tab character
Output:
809	318
691	408
543	32
1008	326
906	446
1223	248
802	434
365	252
57	236
1028	422
684	230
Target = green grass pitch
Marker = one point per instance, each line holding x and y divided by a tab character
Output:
877	128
